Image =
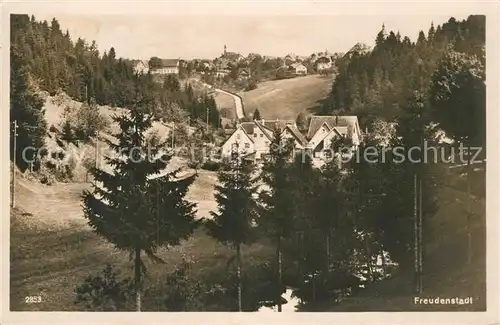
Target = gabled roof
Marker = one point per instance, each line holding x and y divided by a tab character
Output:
165	63
264	130
243	71
332	121
302	140
247	127
136	62
339	130
323	59
296	65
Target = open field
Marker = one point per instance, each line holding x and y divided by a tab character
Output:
284	99
53	248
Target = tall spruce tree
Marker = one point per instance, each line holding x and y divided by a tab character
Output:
128	208
256	115
234	221
26	108
329	207
277	214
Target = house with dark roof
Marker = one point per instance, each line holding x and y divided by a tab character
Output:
324	130
168	66
243	74
252	139
249	138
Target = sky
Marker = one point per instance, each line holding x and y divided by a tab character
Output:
175	36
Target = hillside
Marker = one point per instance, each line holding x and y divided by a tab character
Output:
284	99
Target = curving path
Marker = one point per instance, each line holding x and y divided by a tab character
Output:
238	102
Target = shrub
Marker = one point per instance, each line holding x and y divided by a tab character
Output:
43	152
105	291
52	129
251	86
211	165
183	292
46	177
89	121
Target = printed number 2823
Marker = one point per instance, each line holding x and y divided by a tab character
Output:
32	299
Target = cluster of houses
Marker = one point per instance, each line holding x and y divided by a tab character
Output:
223	65
252	140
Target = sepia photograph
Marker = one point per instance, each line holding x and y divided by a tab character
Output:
247	163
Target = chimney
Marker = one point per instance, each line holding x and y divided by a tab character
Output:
336	120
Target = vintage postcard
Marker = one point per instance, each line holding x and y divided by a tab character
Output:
303	161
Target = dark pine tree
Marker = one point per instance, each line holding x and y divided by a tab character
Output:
131	210
277	214
26	109
67	131
233	223
256	115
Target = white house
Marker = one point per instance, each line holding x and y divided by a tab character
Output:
168	66
222	72
299	68
252	139
141	66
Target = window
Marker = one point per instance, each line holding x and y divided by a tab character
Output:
255	135
267	143
238	136
247	145
261	135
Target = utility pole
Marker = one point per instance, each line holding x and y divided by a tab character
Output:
415	232
468	207
208	112
13	191
420	241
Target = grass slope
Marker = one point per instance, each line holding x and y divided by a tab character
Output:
286	98
53	248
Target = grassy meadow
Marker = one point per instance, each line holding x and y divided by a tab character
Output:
53	248
286	98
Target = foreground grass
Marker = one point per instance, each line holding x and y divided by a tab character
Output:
51	263
52	249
